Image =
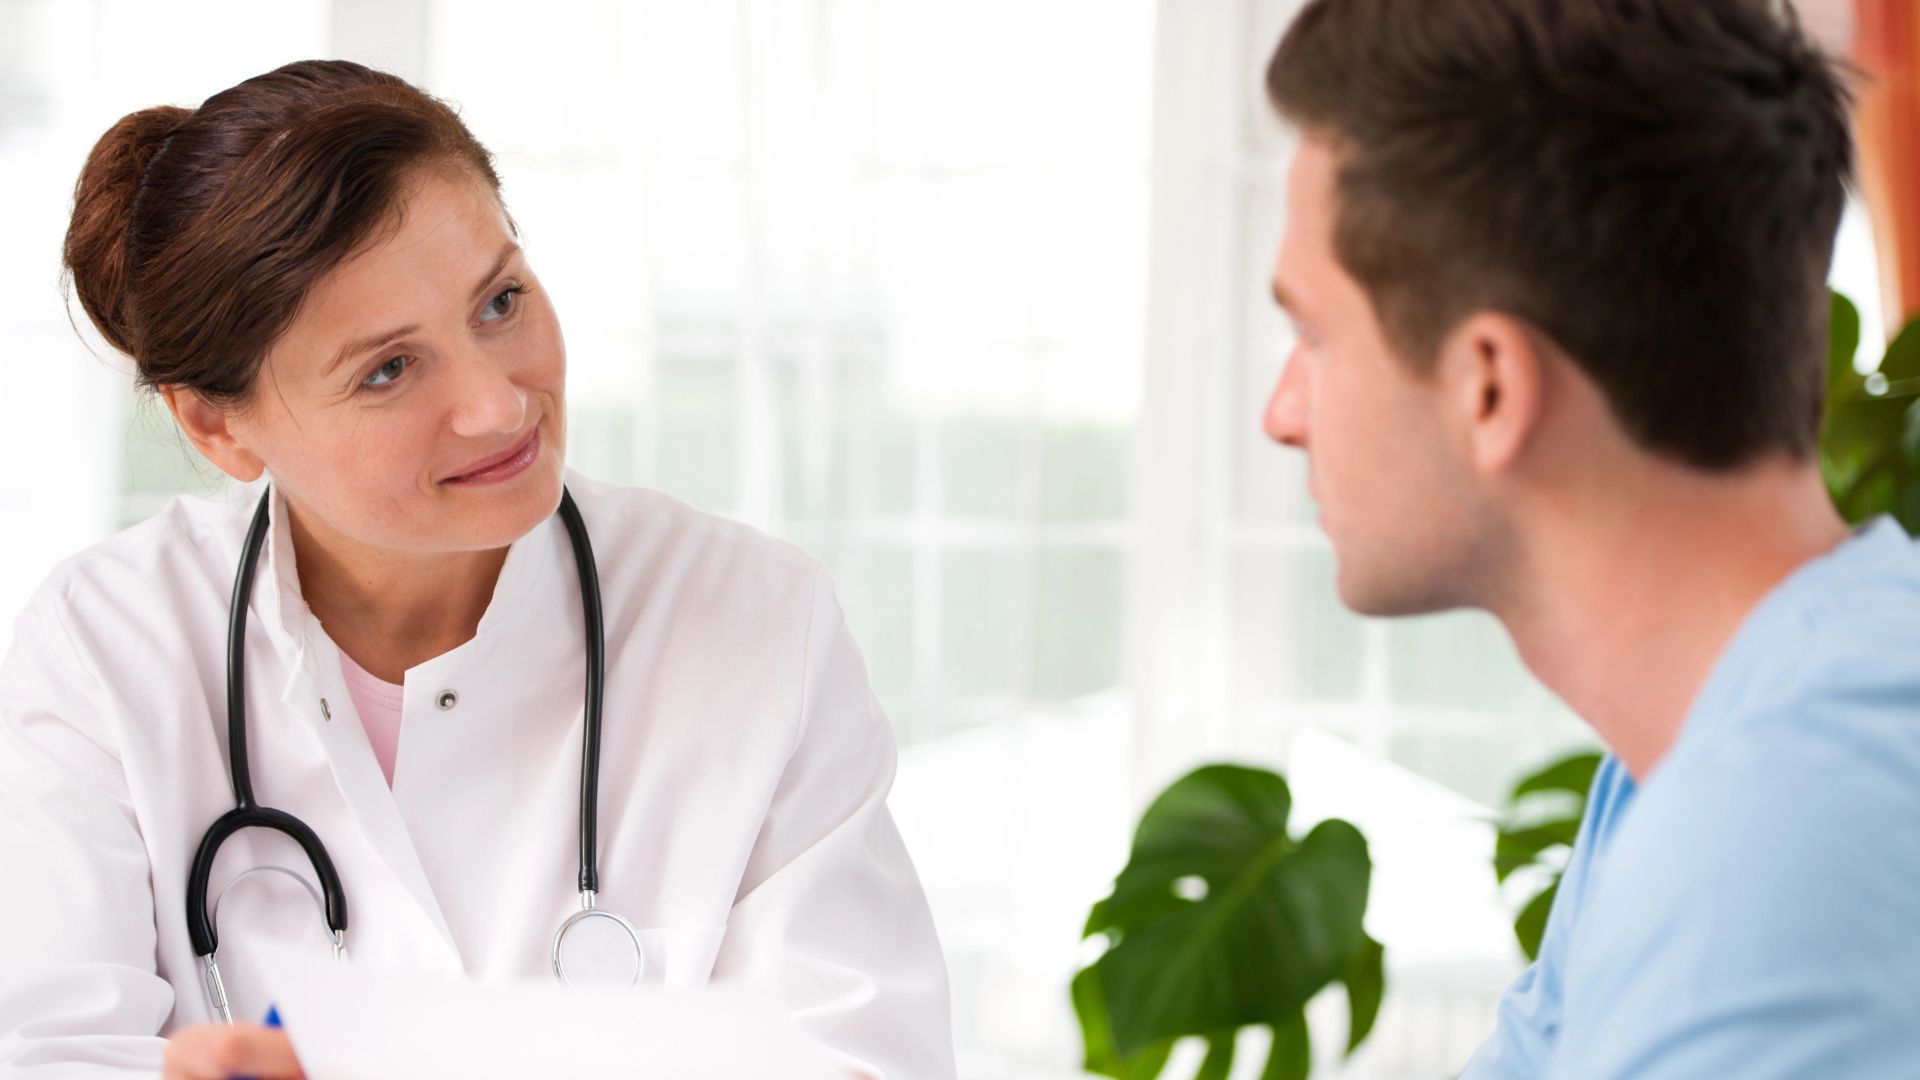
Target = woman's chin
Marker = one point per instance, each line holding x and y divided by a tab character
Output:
495	515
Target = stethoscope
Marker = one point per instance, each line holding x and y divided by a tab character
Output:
593	947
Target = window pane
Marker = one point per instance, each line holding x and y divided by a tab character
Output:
1084	472
876	589
1078	623
982	460
979	624
696	442
1293	640
1461	660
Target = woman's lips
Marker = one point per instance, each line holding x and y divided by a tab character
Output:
502	466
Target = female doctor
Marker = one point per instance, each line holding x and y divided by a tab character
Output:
397	758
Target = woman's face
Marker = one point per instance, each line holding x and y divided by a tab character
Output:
417	403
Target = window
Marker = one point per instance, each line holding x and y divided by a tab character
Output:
831	268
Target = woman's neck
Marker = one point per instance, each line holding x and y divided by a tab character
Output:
390	610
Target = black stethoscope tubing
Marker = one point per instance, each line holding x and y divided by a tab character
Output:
248	814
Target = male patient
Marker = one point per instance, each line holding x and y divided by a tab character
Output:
1558	272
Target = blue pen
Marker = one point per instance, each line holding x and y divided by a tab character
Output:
272	1021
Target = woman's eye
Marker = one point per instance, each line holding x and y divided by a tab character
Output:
501	305
387	372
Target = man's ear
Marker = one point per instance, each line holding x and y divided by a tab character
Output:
1492	375
209	428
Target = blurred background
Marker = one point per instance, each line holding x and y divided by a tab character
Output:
966	297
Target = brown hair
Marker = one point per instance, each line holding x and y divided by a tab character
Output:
1654	184
196	233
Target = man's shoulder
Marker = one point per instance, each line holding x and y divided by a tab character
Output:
1781	853
1779	787
1756	901
1819	694
1835	627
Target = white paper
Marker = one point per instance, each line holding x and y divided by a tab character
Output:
349	1022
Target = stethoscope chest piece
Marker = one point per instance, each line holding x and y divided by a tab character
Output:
598	950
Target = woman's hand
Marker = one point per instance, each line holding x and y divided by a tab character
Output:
222	1051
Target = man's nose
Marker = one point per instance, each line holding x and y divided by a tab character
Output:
1286	417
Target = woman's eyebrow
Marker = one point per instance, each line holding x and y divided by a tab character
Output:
367	344
506	256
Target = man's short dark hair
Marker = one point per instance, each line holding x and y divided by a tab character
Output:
1653	184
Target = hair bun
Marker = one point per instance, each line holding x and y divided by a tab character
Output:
104	201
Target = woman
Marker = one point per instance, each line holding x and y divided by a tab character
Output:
315	270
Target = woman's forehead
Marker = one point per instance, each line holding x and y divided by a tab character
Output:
449	238
443	212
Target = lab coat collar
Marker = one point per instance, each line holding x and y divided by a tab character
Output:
278	605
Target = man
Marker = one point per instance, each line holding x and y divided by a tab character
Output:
1558	271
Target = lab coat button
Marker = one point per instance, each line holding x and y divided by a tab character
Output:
447	700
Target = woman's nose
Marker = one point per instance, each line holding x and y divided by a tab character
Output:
487	400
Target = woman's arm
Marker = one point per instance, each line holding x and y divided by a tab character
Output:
79	993
830	915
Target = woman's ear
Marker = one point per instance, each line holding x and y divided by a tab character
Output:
209	428
1492	373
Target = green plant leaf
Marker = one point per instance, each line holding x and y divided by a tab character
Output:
1908	512
1219	1060
1205	825
1902	359
1277	924
1143	904
1222	920
1366	982
1515	848
1869	450
1292	1055
1910	434
1531	924
1874	492
1862	429
1843	340
1574	774
1097	1037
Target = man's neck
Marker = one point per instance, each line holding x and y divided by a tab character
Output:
1628	604
391	610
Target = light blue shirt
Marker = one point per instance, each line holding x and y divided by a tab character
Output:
1753	909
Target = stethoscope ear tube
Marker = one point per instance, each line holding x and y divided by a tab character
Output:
246	814
237	768
596	648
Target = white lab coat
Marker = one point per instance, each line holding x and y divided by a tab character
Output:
743	823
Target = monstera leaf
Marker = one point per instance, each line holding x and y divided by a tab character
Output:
1870	439
1221	920
1529	839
